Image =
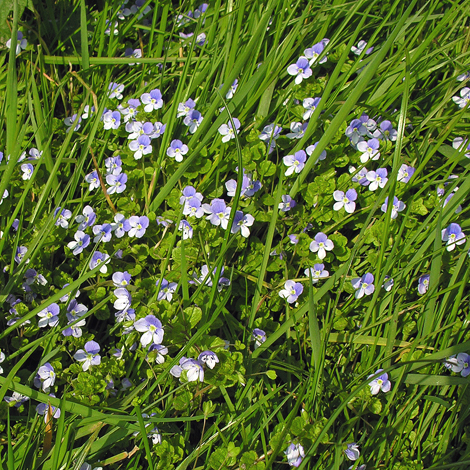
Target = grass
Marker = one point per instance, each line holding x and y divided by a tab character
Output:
308	383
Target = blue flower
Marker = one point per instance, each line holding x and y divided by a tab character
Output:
112	120
352	451
167	289
287	203
291	291
423	284
27	170
100	258
318	272
176	150
398	206
186	228
405	173
386	131
259	336
21	43
231	91
121	279
152	100
138	225
45	377
294	453
298	130
345	200
43	409
49	316
90	356
185	108
363	285
369	150
453	235
115	89
227	131
102	233
87	219
141	146
152	329
193	368
377	178
295	162
209	358
361	45
241	222
93	180
82	240
301	70
193	208
117	183
380	383
219	213
321	244
193	119
269	134
464	98
460	143
310	105
64	215
313	53
120	225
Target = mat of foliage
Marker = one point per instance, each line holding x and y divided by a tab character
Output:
233	234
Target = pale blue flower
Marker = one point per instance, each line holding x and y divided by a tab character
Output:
115	90
117	183
453	235
120	226
310	105
208	358
43	409
361	45
300	70
21	43
193	368
227	131
49	316
318	272
321	244
378	179
121	279
379	383
309	150
177	150
352	451
386	132
287	203
100	258
166	289
397	207
193	119
345	200
423	284
141	146
231	91
102	233
138	226
405	173
295	163
219	213
152	329
90	356
27	170
314	52
45	377
241	222
152	100
369	150
185	108
363	285
186	227
460	143
93	180
291	291
294	454
298	130
87	219
112	120
259	336
82	240
464	98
